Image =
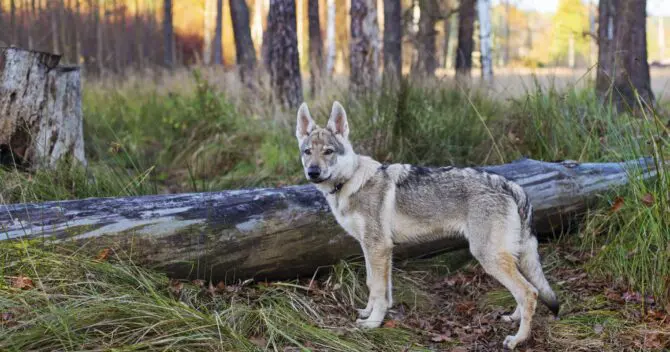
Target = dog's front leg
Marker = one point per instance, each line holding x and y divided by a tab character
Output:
379	267
364	313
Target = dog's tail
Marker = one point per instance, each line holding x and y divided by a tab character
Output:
531	268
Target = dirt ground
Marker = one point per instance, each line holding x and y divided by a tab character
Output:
463	310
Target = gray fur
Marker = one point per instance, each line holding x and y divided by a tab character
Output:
380	205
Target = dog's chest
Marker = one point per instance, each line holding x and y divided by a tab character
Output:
345	218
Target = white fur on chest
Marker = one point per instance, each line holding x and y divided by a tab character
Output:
351	223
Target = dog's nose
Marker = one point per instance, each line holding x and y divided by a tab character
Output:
313	172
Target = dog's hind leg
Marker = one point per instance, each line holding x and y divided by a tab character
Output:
379	254
502	265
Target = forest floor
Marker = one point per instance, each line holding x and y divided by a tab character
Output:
444	303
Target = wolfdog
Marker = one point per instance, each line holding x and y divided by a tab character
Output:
381	205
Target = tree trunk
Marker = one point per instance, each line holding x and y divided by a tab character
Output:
661	38
427	58
12	23
284	60
506	57
392	41
217	46
244	45
100	42
77	28
330	38
364	56
277	233
446	26
168	34
54	29
208	31
466	29
41	122
485	30
623	69
315	47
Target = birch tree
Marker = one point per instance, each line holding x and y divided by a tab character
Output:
330	38
484	14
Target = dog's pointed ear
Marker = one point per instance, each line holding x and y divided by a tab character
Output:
338	121
305	123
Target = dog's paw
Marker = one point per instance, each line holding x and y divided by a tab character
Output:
509	343
368	324
364	313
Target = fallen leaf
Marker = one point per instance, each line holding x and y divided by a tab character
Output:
652	340
7	319
634	297
459	349
259	341
648	199
175	287
103	255
199	283
390	323
618	203
441	338
220	287
6	316
612	295
22	282
210	289
465	307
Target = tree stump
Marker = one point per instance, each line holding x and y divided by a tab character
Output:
40	110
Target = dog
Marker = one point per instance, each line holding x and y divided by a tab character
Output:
381	205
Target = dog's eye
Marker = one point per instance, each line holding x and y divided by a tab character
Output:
308	152
328	152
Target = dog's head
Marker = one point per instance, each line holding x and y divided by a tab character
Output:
326	153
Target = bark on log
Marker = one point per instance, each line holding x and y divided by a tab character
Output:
277	233
40	109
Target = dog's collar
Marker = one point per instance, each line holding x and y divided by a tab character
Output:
337	188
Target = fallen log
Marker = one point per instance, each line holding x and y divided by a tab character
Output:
40	110
276	233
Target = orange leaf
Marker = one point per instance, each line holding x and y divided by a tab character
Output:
103	255
175	287
220	286
22	282
648	199
390	323
618	203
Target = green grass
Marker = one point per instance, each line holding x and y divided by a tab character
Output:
147	139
